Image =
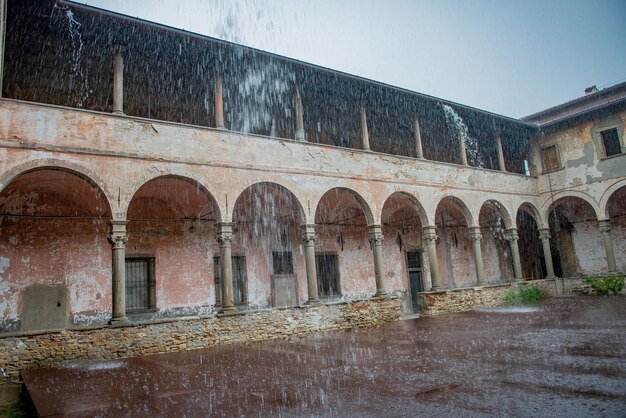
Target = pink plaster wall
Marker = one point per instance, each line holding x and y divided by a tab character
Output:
183	253
356	262
72	253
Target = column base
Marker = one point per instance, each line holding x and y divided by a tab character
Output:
120	321
550	277
227	310
118	112
380	294
221	128
313	302
435	288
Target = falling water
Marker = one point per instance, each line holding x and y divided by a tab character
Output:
76	37
77	40
462	133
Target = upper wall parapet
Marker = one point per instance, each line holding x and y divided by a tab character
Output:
66	54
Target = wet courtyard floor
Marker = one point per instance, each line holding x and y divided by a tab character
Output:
563	357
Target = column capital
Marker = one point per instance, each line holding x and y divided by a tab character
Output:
375	234
225	232
604	225
544	233
474	233
429	233
117	236
511	234
307	232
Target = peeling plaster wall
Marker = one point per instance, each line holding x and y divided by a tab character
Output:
497	260
183	260
581	153
581	250
356	262
619	242
456	258
72	253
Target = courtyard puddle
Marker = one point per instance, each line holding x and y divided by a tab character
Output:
463	364
510	309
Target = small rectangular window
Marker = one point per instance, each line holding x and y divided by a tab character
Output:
239	280
282	262
327	266
550	159
610	140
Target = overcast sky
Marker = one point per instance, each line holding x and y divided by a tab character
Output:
509	57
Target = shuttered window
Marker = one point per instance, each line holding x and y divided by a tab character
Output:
550	159
610	140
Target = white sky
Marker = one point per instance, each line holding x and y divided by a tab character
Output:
512	57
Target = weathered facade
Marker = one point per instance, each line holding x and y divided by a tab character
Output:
149	173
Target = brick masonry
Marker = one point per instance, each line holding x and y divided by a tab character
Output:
32	350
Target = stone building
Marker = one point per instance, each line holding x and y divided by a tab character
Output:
148	172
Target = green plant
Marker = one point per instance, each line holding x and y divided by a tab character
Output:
523	294
606	285
15	410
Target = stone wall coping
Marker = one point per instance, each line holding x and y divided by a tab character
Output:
229	132
465	289
187	318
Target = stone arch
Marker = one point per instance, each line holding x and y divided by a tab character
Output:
53	164
186	179
555	200
606	196
506	216
459	204
55	211
414	201
365	207
301	213
532	210
574	234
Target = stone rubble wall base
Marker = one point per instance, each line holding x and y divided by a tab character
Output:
466	299
33	350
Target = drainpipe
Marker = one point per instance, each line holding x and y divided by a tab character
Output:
299	117
219	102
364	133
500	153
418	140
118	84
3	30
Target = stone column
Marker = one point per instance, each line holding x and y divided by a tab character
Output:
308	236
605	229
118	241
475	236
418	140
299	117
118	84
513	238
365	136
3	26
430	237
463	151
219	102
224	237
544	236
501	163
375	233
